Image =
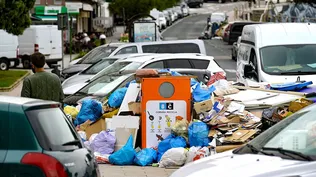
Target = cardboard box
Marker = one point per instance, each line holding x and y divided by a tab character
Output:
240	136
224	148
135	107
203	106
95	127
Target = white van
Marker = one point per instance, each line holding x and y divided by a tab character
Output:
9	50
277	53
45	39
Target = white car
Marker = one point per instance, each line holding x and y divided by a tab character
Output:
162	21
185	9
286	149
157	61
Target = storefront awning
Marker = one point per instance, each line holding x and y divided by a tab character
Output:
50	17
54	10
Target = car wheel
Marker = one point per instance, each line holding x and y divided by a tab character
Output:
26	62
4	64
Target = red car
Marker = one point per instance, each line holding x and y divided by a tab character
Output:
226	32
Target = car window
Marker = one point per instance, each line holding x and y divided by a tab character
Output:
97	67
91	54
237	28
200	64
127	50
45	122
4	130
172	48
121	66
178	63
104	52
157	65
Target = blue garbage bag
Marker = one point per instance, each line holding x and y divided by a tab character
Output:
116	98
200	94
193	82
90	110
163	70
175	73
145	157
198	134
127	85
124	156
171	141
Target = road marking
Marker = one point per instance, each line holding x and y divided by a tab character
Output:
231	70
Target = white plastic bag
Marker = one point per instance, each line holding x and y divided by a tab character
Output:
173	157
196	153
82	135
191	154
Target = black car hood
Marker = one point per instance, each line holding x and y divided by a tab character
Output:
76	68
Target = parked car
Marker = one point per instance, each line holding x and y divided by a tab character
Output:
41	38
162	20
286	149
176	15
105	84
185	9
236	31
112	49
195	3
31	146
179	11
235	48
168	17
157	61
9	51
172	15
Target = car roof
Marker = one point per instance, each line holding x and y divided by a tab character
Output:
198	41
22	100
123	56
156	57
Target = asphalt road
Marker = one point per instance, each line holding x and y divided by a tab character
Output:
193	26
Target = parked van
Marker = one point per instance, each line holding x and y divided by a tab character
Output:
277	52
9	50
45	39
112	49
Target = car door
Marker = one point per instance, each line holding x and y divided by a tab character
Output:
127	50
56	43
4	135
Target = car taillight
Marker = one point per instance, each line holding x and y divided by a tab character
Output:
50	166
36	48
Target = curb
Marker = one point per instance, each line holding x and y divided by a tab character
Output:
15	84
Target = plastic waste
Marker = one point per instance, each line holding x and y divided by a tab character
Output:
171	141
198	134
145	157
173	157
103	143
124	156
72	111
116	98
201	94
90	110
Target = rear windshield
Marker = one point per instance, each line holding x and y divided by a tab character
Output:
97	67
97	55
172	48
52	129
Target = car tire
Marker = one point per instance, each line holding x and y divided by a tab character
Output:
4	64
26	62
234	58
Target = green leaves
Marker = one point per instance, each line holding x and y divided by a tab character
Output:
14	15
134	7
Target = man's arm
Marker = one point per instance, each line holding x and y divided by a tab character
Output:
61	95
26	89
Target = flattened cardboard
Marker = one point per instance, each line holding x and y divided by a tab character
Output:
231	119
135	107
227	147
240	136
95	127
203	106
212	133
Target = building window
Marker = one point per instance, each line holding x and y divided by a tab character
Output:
58	1
38	2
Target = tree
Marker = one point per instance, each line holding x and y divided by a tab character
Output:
129	8
14	15
310	2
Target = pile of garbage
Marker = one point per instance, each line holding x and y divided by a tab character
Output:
220	122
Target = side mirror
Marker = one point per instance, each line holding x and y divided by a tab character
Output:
249	72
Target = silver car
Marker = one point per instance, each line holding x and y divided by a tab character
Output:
235	48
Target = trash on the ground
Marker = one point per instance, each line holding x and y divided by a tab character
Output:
224	117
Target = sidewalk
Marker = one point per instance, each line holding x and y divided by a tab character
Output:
116	35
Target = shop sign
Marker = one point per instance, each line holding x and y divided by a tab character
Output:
50	10
160	117
73	7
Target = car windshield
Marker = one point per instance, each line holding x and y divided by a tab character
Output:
98	83
45	122
96	55
289	59
297	134
120	66
97	67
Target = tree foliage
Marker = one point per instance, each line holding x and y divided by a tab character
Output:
14	15
129	8
310	2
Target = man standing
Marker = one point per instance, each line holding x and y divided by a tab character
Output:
42	85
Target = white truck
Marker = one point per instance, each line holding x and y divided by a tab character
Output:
9	50
45	39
